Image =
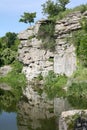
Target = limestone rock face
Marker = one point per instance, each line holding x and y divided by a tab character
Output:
25	34
68	24
65	62
37	60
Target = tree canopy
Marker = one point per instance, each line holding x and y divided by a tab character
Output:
52	8
8	48
63	4
28	17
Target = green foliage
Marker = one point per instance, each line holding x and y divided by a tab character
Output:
8	48
83	23
47	124
17	66
46	29
37	84
31	37
52	8
14	47
7	101
49	44
63	4
8	56
80	41
28	17
10	39
82	52
80	74
63	14
82	8
71	120
16	80
40	77
77	95
54	85
46	33
51	59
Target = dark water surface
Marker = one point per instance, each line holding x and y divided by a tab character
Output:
8	121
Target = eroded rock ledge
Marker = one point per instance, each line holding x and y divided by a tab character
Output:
73	120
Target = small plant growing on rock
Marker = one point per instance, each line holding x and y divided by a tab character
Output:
54	85
46	34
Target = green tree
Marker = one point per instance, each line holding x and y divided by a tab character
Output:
10	39
63	4
28	17
7	56
52	8
8	48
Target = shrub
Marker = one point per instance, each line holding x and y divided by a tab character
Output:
46	34
54	85
17	66
7	101
7	56
49	44
77	95
83	23
80	41
16	80
80	74
82	8
63	14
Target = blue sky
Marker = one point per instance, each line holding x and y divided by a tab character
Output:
10	12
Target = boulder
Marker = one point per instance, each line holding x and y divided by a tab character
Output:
73	120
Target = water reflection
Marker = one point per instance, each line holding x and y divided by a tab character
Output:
8	121
7	101
35	117
31	115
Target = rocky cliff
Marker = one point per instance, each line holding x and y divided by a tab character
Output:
37	61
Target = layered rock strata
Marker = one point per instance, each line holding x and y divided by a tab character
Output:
37	60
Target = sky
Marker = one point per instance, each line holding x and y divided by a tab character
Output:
11	11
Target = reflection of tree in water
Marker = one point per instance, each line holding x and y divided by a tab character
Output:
7	101
35	117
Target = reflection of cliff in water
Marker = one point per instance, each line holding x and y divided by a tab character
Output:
42	116
35	117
